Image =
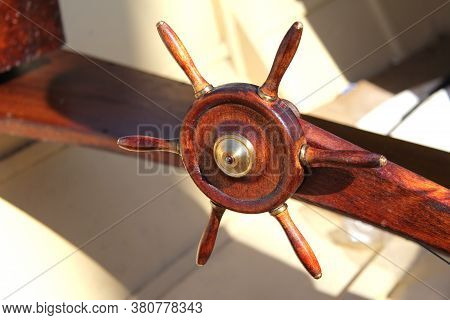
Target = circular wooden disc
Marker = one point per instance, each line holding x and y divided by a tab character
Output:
272	128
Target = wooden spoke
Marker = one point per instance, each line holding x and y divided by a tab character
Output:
349	158
148	144
208	240
182	57
298	242
284	56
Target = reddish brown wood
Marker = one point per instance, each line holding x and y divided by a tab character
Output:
283	58
271	127
418	159
65	98
60	96
208	240
301	247
148	144
181	56
28	29
391	197
347	158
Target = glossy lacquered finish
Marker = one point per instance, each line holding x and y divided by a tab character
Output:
182	57
301	247
390	197
28	29
146	144
272	154
274	132
208	239
284	56
314	157
65	98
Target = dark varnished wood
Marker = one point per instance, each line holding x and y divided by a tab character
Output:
390	197
301	247
283	58
315	157
64	98
208	239
271	127
148	144
28	29
70	100
418	157
181	56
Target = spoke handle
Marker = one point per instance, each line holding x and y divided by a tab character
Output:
284	56
182	57
299	244
208	240
313	157
148	144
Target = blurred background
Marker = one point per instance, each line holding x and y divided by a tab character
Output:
377	65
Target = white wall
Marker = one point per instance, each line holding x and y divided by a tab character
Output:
236	40
123	31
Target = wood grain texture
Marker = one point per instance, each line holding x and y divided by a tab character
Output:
181	56
271	127
148	144
343	158
65	98
283	58
301	247
414	157
28	29
208	239
391	197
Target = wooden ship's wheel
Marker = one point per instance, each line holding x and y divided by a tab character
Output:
245	147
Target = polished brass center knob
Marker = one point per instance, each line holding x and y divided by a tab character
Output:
234	155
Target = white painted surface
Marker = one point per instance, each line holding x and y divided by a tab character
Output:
427	125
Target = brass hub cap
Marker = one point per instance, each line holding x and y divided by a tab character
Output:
234	155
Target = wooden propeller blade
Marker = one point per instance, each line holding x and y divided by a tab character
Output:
208	240
390	197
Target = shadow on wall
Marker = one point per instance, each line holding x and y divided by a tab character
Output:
356	33
80	192
124	32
